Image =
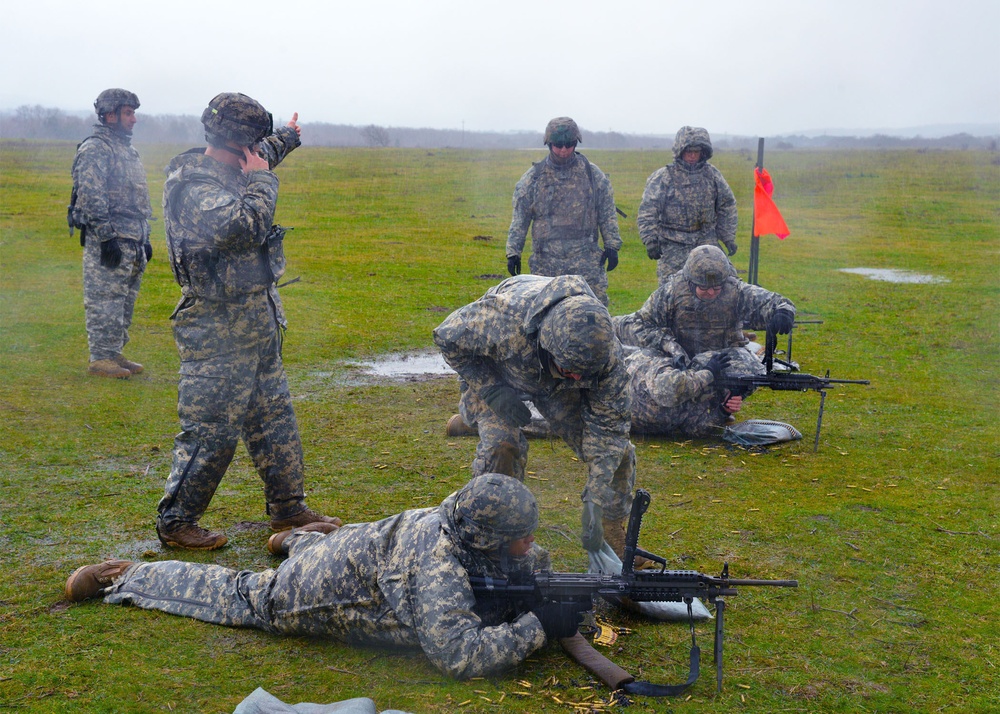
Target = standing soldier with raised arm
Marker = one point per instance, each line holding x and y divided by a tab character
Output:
565	199
111	208
686	204
226	254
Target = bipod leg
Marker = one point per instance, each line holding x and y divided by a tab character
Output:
720	609
819	419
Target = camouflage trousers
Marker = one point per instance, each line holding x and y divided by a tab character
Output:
319	591
667	401
109	296
589	266
503	448
206	592
673	255
236	391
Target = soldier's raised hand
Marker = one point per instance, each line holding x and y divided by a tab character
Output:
294	124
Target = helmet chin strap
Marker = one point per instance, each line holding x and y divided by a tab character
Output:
231	150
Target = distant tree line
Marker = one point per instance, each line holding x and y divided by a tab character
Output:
38	122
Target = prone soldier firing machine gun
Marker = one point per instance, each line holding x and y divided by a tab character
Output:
784	381
576	591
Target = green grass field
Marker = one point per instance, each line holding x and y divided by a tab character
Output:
891	527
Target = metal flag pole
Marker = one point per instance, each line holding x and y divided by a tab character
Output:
754	240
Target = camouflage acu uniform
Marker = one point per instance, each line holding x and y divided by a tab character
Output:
675	322
670	401
495	341
684	206
399	582
232	384
113	203
565	206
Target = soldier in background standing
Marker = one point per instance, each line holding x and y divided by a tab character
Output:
111	208
686	204
226	254
565	199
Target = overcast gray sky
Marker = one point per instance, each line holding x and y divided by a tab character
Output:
761	67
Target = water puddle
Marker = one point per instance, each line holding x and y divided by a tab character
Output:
891	275
404	367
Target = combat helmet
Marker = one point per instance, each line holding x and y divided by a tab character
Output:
562	130
111	100
493	510
235	117
578	335
707	267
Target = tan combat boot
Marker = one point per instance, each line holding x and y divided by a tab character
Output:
458	427
276	543
614	534
133	367
190	536
108	368
303	519
88	582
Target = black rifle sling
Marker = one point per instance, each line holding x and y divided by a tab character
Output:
648	689
617	678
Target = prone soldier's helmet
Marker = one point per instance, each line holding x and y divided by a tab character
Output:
562	130
707	267
111	100
235	117
577	333
494	510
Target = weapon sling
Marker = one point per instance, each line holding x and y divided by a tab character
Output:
615	677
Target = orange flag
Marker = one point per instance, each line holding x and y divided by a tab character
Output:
766	216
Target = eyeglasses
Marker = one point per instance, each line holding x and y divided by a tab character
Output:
560	145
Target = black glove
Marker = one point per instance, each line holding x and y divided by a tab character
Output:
718	362
506	404
612	257
558	620
147	248
514	265
592	523
731	248
782	321
653	251
111	253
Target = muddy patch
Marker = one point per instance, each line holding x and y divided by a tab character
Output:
400	367
891	275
